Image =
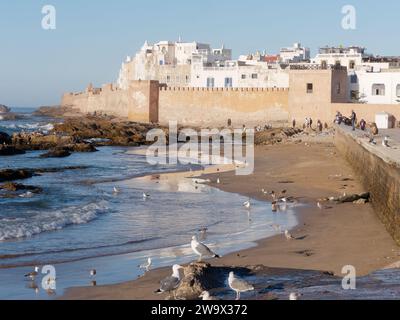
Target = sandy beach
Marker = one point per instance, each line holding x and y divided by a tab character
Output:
328	238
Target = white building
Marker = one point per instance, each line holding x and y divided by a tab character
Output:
379	86
238	74
294	54
349	57
169	62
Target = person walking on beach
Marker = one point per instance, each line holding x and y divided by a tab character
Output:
353	120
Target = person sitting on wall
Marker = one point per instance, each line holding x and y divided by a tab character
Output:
363	124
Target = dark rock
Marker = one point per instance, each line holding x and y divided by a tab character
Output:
81	147
353	198
56	153
4	138
15	174
6	150
12	186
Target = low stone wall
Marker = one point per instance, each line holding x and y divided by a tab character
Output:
379	174
214	107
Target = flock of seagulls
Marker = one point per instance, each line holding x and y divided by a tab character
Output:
171	283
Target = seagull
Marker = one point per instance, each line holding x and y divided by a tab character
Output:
277	227
247	204
205	295
116	190
201	249
171	283
275	206
319	206
238	285
273	195
294	296
93	272
147	265
288	235
218	181
146	195
32	275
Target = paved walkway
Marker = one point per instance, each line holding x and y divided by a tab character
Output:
389	154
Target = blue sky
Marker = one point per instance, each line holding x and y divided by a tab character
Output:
94	36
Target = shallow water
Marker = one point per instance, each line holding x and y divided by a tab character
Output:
79	223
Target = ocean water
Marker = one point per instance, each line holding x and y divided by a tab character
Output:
78	222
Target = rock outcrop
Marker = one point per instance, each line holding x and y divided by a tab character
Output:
275	136
12	186
4	109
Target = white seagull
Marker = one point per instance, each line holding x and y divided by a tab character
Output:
320	206
116	190
147	265
238	285
93	272
247	204
205	296
32	275
288	235
201	249
146	195
218	181
171	283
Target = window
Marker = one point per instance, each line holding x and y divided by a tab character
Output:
168	78
352	64
310	88
398	90
337	63
210	82
254	76
228	82
324	64
187	79
243	76
378	89
353	78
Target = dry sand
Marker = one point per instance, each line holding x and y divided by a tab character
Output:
342	234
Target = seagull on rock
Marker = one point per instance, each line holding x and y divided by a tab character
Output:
238	285
146	266
32	275
171	283
201	249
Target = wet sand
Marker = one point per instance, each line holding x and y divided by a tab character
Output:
338	235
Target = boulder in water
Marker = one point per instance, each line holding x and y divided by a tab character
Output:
57	153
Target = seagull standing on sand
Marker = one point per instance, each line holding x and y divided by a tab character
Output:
319	206
288	235
32	275
147	265
201	249
238	285
171	283
205	296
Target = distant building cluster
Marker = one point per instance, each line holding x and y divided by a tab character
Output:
371	79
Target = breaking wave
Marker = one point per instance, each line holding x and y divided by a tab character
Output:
30	127
51	221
